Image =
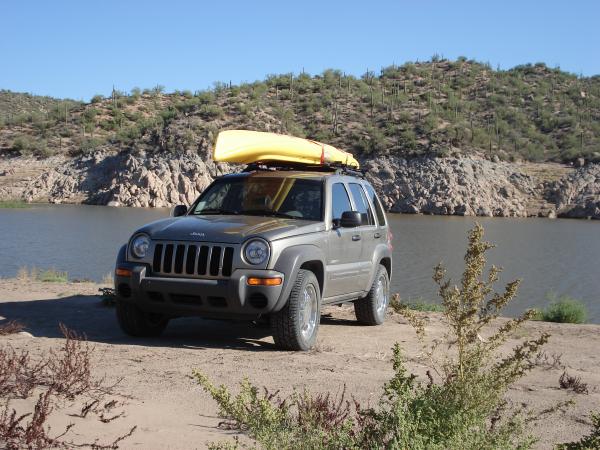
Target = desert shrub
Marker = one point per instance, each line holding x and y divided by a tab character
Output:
23	145
53	276
209	112
87	145
589	442
572	383
563	309
41	150
205	97
11	327
97	99
157	90
134	116
188	105
108	125
48	275
136	93
408	139
60	375
460	406
422	305
168	115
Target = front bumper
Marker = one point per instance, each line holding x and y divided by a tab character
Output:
218	298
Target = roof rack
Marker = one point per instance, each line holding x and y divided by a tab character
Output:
338	168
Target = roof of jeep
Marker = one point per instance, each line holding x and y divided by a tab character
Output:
309	175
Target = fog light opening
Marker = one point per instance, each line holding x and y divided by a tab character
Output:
255	281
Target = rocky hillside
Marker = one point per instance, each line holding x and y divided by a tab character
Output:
17	108
437	137
434	108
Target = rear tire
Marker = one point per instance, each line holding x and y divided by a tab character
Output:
371	309
296	325
135	322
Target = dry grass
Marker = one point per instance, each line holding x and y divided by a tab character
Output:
66	374
51	275
572	383
108	279
11	327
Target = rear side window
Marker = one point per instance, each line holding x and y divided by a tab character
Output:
362	205
377	204
340	202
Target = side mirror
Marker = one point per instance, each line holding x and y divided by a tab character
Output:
179	210
351	219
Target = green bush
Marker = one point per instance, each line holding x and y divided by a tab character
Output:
13	204
136	93
463	407
563	309
89	145
422	305
53	276
209	112
27	146
23	145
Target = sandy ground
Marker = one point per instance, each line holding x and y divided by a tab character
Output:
171	412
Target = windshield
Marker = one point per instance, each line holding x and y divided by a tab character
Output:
293	198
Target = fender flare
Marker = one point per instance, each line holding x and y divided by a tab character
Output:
289	262
381	251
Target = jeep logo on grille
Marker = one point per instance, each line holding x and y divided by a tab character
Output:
194	233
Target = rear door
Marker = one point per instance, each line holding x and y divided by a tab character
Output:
368	232
344	247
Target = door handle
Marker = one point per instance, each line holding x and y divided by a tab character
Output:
377	235
356	237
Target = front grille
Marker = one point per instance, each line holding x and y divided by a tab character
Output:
194	260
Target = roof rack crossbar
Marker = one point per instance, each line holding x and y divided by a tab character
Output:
338	168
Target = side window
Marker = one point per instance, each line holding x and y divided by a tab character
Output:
378	208
339	200
362	205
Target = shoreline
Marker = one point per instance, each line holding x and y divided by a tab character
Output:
170	408
467	186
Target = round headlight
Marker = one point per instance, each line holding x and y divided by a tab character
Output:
256	252
139	246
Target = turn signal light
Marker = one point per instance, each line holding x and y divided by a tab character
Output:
252	281
122	272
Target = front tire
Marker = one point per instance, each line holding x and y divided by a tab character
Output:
371	309
296	325
135	322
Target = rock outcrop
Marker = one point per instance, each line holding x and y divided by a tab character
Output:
451	186
447	186
578	194
125	179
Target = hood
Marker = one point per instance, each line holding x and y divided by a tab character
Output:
227	229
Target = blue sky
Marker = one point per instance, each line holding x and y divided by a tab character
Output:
79	48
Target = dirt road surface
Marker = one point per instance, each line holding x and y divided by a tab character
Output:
172	412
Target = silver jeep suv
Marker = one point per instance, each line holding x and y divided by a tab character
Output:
275	244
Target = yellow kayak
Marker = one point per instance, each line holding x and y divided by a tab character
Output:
243	146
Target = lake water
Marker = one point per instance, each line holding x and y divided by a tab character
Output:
560	256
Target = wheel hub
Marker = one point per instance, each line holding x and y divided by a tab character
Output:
382	294
309	311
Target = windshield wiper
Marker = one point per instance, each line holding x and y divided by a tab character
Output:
262	212
215	211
